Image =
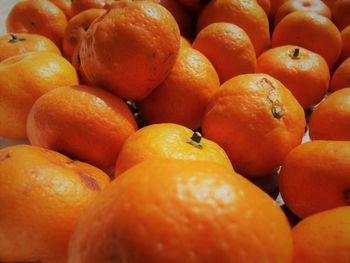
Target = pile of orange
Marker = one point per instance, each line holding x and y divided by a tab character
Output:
161	130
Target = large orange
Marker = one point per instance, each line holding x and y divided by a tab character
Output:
38	17
84	122
76	29
341	76
136	54
228	47
16	44
246	14
23	79
256	120
331	118
168	140
303	72
182	211
188	88
345	52
341	13
311	31
42	195
315	176
329	234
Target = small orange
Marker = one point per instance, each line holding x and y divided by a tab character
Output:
341	13
168	140
329	234
42	195
341	76
265	5
311	31
256	120
131	49
87	123
65	6
288	7
23	79
345	52
248	15
188	88
82	5
182	211
15	44
228	48
76	29
40	17
303	72
315	176
331	118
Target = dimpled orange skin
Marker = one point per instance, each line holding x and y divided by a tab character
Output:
131	49
42	196
306	74
256	120
188	88
16	44
315	177
23	79
311	31
76	29
341	76
85	122
248	15
329	234
40	17
331	118
228	47
167	140
182	211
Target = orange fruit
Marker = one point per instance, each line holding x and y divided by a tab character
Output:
256	120
329	234
65	6
288	7
341	76
274	6
77	65
345	52
303	72
138	52
228	48
76	29
23	79
330	119
315	177
40	17
168	140
248	15
42	195
188	88
265	5
15	44
87	123
341	13
78	6
184	42
182	211
311	31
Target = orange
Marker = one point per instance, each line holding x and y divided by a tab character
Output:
341	13
87	123
168	140
311	31
274	6
315	177
40	17
329	234
15	44
77	65
330	119
345	52
65	6
183	96
303	72
182	211
256	120
138	52
265	5
228	47
341	76
288	7
23	79
248	15
42	195
76	29
184	42
78	6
